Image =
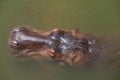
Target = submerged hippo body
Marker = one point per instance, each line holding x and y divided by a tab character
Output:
68	46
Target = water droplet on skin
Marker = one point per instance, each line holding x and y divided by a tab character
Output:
91	42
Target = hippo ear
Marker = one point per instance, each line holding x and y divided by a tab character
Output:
75	31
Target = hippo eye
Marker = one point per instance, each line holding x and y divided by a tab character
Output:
54	35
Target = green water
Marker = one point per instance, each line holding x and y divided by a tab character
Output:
99	17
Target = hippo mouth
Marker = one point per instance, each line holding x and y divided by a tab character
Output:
69	46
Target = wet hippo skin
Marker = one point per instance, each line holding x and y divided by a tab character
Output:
72	47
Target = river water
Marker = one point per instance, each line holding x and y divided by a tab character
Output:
101	18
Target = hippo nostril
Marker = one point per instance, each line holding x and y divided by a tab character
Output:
15	43
16	30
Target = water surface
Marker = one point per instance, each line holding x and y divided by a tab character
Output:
92	16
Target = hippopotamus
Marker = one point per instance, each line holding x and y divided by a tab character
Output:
72	47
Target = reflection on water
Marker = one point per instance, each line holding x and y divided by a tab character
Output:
97	17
